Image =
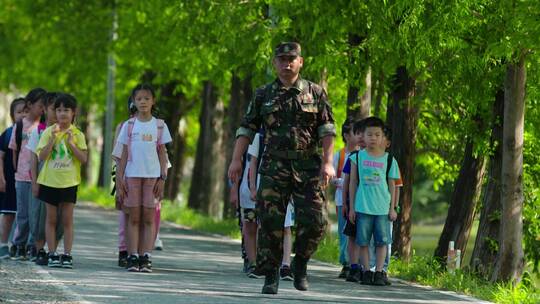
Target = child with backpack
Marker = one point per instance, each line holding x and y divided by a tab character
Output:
372	187
122	214
141	175
23	181
37	209
249	224
356	140
8	199
398	184
62	148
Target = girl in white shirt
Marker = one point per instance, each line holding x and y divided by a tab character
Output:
141	175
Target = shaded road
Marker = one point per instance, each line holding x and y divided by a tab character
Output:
200	268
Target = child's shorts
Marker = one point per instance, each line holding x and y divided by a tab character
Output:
8	199
249	215
140	192
368	225
55	196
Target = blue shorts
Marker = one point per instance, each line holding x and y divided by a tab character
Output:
368	225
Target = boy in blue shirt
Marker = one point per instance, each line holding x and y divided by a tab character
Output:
374	198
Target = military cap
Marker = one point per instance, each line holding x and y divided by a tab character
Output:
288	49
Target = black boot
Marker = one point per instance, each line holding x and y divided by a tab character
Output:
271	282
299	271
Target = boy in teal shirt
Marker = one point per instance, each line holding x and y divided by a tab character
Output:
374	203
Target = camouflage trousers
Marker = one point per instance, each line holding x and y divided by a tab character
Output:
282	180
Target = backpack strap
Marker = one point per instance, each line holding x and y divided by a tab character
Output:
358	169
18	141
389	159
131	124
340	162
160	127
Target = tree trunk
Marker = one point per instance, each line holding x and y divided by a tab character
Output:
206	192
486	245
102	155
510	260
241	93
86	124
403	118
358	106
379	93
173	109
467	190
323	81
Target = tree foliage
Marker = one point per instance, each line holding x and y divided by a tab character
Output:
457	52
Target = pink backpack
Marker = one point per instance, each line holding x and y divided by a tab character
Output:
160	127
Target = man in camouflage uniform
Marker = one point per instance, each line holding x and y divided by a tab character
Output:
296	117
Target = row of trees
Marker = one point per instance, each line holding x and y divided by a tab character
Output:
448	76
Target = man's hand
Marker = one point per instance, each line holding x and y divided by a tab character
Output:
327	173
235	170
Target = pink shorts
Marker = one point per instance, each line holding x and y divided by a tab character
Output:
140	192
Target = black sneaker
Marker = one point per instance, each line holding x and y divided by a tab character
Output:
355	275
378	279
385	279
145	265
12	251
271	282
133	263
66	260
20	254
246	266
285	273
254	273
42	259
54	260
122	259
344	272
367	277
31	253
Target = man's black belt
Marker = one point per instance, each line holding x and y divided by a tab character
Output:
292	154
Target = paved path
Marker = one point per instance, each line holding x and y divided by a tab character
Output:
200	268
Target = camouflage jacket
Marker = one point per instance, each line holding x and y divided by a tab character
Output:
293	119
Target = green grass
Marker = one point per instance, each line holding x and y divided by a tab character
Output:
182	215
426	271
422	268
